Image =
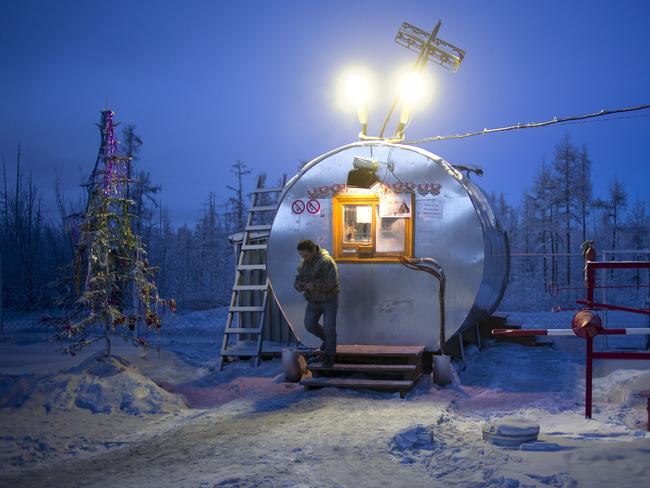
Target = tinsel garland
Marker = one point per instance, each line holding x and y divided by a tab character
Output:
116	259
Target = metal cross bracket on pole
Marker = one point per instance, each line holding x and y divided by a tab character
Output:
429	48
440	52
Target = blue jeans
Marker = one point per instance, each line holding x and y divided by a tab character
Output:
327	331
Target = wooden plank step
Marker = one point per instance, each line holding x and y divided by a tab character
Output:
238	308
356	350
364	368
258	227
239	351
360	383
243	330
249	287
251	267
253	247
267	190
263	208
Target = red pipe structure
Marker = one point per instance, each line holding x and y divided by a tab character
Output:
586	324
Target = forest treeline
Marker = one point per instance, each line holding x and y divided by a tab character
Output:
195	263
555	215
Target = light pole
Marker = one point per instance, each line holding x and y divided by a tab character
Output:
412	85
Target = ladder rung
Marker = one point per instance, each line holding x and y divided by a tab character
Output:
251	267
253	247
243	330
239	352
258	227
259	308
264	208
249	287
266	190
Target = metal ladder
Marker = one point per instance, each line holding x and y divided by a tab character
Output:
255	239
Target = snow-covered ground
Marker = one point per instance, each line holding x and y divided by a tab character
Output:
169	419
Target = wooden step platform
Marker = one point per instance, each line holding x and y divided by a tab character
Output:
355	350
365	368
356	383
385	368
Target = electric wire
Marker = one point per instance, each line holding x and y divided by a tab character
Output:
533	125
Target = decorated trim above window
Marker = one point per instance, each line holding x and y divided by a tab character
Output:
422	189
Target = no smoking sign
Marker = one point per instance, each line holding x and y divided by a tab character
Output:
299	206
313	206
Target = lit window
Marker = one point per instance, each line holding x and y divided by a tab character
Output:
357	223
390	235
367	227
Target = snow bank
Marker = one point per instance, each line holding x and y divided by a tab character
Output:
99	384
621	386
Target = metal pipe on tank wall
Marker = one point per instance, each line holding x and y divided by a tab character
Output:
436	271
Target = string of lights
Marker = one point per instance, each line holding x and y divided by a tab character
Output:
530	125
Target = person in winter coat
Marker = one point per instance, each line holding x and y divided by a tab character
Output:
318	280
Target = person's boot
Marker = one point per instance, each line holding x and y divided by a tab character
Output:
327	361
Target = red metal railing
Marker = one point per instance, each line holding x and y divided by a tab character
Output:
586	323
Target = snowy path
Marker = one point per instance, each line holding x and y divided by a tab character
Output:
327	438
244	427
331	438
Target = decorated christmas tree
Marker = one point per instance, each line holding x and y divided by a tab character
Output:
116	285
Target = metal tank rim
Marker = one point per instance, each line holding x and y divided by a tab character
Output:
423	152
476	194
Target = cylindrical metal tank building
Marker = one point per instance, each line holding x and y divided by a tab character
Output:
367	203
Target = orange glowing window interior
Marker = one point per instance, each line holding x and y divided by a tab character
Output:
367	228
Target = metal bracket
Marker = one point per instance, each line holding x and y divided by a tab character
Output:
440	52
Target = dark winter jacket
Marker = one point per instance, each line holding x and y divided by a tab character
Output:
322	272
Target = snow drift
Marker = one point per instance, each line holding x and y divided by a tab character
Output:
100	384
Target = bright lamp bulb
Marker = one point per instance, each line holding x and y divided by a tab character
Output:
413	88
355	88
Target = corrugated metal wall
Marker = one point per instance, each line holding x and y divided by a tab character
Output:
276	329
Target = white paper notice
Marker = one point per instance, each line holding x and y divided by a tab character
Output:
431	210
364	215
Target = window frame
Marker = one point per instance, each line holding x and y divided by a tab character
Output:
338	220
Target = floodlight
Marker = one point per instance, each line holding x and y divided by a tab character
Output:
355	89
413	91
412	88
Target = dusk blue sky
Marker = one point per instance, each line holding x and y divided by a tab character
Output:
209	82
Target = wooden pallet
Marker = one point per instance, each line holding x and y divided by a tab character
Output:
367	367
